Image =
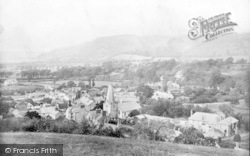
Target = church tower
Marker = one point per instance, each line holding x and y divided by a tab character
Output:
110	106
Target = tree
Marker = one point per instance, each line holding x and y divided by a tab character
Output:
78	94
227	110
237	139
215	78
32	115
81	84
144	90
71	84
229	60
46	100
93	83
29	77
61	86
241	61
134	113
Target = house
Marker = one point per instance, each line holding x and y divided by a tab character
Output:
126	106
10	82
51	111
210	123
153	118
127	103
88	103
204	121
95	116
19	113
174	88
76	113
48	87
23	106
159	94
36	95
228	126
179	76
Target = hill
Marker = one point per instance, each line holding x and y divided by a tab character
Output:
101	49
95	145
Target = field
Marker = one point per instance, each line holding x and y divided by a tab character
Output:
46	82
75	145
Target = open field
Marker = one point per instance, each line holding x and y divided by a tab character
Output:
46	82
20	87
75	145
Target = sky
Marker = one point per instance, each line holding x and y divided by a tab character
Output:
30	27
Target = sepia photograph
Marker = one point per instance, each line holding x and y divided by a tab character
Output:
124	77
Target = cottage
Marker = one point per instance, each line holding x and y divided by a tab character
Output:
210	123
10	82
51	111
126	106
76	113
36	95
88	103
228	126
204	121
19	113
165	95
23	106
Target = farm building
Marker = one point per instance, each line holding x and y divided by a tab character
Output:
10	82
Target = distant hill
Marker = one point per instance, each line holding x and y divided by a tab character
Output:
104	48
96	145
235	45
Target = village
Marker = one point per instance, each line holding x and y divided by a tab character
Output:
116	106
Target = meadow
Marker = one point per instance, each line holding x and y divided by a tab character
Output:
78	145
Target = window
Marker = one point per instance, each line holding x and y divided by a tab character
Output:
72	116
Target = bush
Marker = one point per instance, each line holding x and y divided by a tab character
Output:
227	144
109	132
246	125
134	113
65	126
237	138
11	124
30	125
84	128
32	115
193	136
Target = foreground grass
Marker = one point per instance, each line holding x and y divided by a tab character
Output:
75	145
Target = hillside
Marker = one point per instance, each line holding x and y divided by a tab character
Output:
94	145
101	49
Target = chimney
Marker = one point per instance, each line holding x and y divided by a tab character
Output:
191	112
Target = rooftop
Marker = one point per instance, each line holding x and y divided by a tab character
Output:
129	106
209	118
228	121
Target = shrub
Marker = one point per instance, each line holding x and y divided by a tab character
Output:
227	144
30	125
85	128
134	113
11	124
237	138
32	115
65	126
246	125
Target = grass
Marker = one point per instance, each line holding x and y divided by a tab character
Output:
20	87
46	82
75	145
